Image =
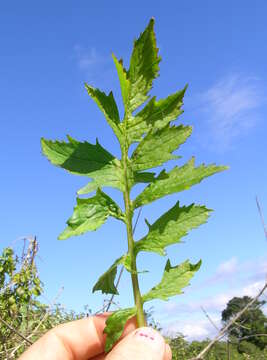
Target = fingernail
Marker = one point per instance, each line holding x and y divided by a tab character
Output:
151	337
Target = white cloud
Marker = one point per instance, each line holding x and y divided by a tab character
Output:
225	270
213	304
231	107
96	67
252	289
234	271
194	329
87	58
227	267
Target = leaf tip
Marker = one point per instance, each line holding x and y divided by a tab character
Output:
147	223
43	142
62	236
196	266
168	265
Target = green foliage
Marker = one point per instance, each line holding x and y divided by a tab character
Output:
250	325
87	160
246	347
108	106
19	282
184	350
173	281
20	306
115	324
106	281
90	214
178	179
157	147
171	227
155	140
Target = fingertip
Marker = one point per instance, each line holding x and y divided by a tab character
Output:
168	352
80	339
130	326
142	344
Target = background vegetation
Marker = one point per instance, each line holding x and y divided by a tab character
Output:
24	318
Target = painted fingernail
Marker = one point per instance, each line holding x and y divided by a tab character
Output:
152	337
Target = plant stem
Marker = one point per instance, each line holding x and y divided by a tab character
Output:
141	321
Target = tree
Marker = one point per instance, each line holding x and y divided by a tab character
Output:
251	325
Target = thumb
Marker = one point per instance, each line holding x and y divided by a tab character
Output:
142	344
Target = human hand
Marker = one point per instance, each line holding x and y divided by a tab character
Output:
84	340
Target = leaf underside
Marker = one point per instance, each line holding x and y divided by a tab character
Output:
178	179
115	325
173	281
83	158
157	147
89	214
155	115
144	68
106	281
108	106
171	227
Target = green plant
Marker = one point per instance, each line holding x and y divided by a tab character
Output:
20	287
184	350
21	312
155	140
250	326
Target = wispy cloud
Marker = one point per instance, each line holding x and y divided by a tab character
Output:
194	329
231	108
86	58
225	270
96	67
212	304
235	270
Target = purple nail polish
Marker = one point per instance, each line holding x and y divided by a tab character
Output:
151	337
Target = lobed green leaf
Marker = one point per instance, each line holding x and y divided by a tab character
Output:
135	177
178	179
108	106
106	281
85	159
137	81
157	146
144	67
115	325
141	177
171	227
89	214
155	115
173	281
124	81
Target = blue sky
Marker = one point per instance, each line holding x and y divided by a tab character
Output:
48	50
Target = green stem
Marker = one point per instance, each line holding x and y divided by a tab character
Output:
141	321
